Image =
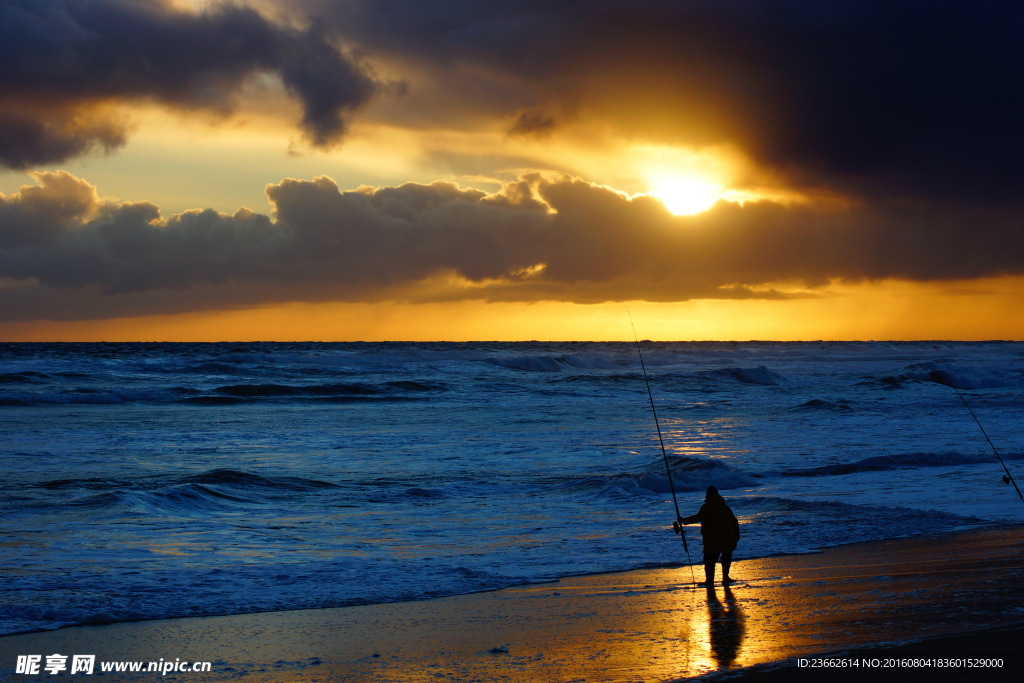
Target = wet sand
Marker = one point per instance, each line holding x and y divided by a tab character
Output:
646	625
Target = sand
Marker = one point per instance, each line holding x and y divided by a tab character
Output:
645	625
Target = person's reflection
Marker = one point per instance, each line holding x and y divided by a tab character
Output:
726	627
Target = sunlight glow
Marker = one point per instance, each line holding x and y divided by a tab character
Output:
687	181
683	195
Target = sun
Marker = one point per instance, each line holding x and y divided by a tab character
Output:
685	195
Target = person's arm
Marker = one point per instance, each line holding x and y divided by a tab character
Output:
694	518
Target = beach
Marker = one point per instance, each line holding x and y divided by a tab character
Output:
642	625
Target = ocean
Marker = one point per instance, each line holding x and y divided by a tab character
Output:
147	481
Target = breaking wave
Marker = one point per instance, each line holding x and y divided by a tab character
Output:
899	461
688	474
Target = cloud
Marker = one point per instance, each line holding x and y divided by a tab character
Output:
869	97
66	62
866	97
533	122
541	238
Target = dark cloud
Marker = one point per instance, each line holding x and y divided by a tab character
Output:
920	98
65	59
540	238
40	133
536	122
916	99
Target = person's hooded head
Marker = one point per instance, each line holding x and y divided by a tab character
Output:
712	493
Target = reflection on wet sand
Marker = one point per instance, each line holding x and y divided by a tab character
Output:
715	632
725	621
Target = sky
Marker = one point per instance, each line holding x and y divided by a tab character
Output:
362	170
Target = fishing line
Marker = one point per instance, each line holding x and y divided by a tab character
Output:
1007	478
676	526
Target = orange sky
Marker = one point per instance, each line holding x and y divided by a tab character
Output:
882	311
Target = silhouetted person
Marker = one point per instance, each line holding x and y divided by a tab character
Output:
720	531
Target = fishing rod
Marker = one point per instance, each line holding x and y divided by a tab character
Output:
1007	478
676	526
